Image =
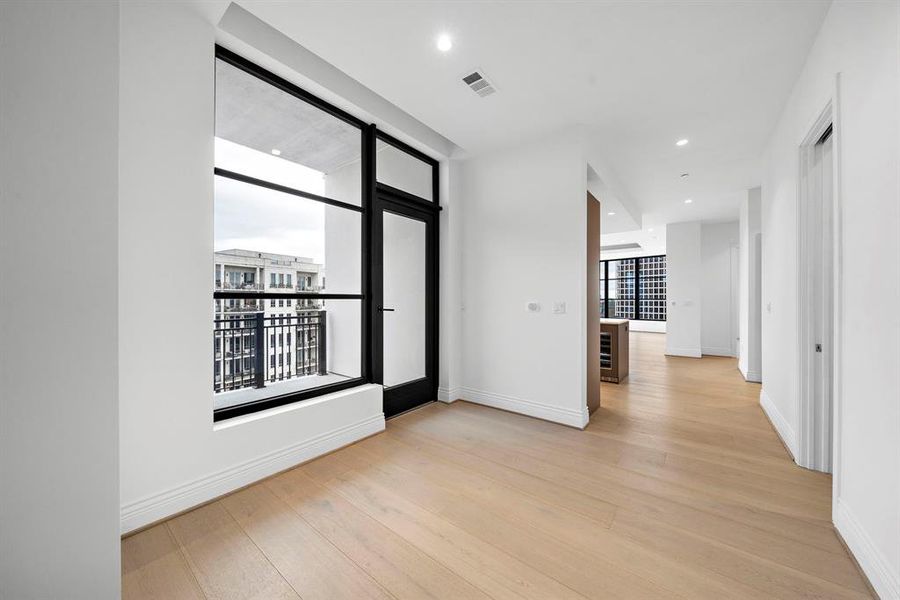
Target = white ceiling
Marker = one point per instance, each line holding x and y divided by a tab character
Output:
637	75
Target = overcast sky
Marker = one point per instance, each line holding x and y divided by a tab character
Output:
254	218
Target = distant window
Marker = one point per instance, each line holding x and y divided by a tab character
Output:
633	288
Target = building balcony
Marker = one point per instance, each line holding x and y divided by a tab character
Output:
240	380
247	287
247	306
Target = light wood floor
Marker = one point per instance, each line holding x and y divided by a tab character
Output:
679	488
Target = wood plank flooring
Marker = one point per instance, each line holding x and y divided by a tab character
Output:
678	488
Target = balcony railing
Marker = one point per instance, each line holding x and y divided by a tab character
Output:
250	343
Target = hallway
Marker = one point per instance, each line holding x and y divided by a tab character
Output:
678	488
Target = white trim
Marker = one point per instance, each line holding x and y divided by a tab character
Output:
193	493
448	395
687	352
837	298
874	564
714	351
781	425
547	412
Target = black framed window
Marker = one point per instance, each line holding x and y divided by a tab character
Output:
633	288
291	200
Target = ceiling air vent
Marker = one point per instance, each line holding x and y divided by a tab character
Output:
479	84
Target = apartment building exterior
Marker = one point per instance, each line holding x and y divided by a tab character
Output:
266	340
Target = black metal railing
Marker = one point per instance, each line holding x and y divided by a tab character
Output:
251	350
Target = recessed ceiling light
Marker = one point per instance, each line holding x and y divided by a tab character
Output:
688	201
612	214
681	142
650	230
276	151
444	43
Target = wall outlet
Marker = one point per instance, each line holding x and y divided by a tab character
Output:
534	307
559	308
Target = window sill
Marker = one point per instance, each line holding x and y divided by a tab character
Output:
288	401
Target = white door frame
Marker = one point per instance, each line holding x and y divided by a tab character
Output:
817	442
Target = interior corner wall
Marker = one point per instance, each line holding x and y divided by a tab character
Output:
719	288
858	41
450	306
749	357
523	240
172	454
684	289
59	481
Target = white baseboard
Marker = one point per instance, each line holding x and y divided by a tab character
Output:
170	502
688	352
716	351
449	395
782	427
874	564
548	412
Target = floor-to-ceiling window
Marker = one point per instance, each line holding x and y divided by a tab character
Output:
633	288
301	192
289	208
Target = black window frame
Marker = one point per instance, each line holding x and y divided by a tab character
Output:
365	131
369	133
637	278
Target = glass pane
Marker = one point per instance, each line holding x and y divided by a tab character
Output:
396	168
262	351
266	133
404	291
621	268
276	242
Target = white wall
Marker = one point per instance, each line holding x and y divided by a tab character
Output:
683	289
749	354
718	288
172	456
523	239
859	41
59	483
450	333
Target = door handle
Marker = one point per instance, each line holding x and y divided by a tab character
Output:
382	309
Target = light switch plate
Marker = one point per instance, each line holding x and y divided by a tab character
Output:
559	308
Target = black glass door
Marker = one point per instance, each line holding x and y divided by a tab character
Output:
405	300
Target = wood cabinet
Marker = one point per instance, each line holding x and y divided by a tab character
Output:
613	350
